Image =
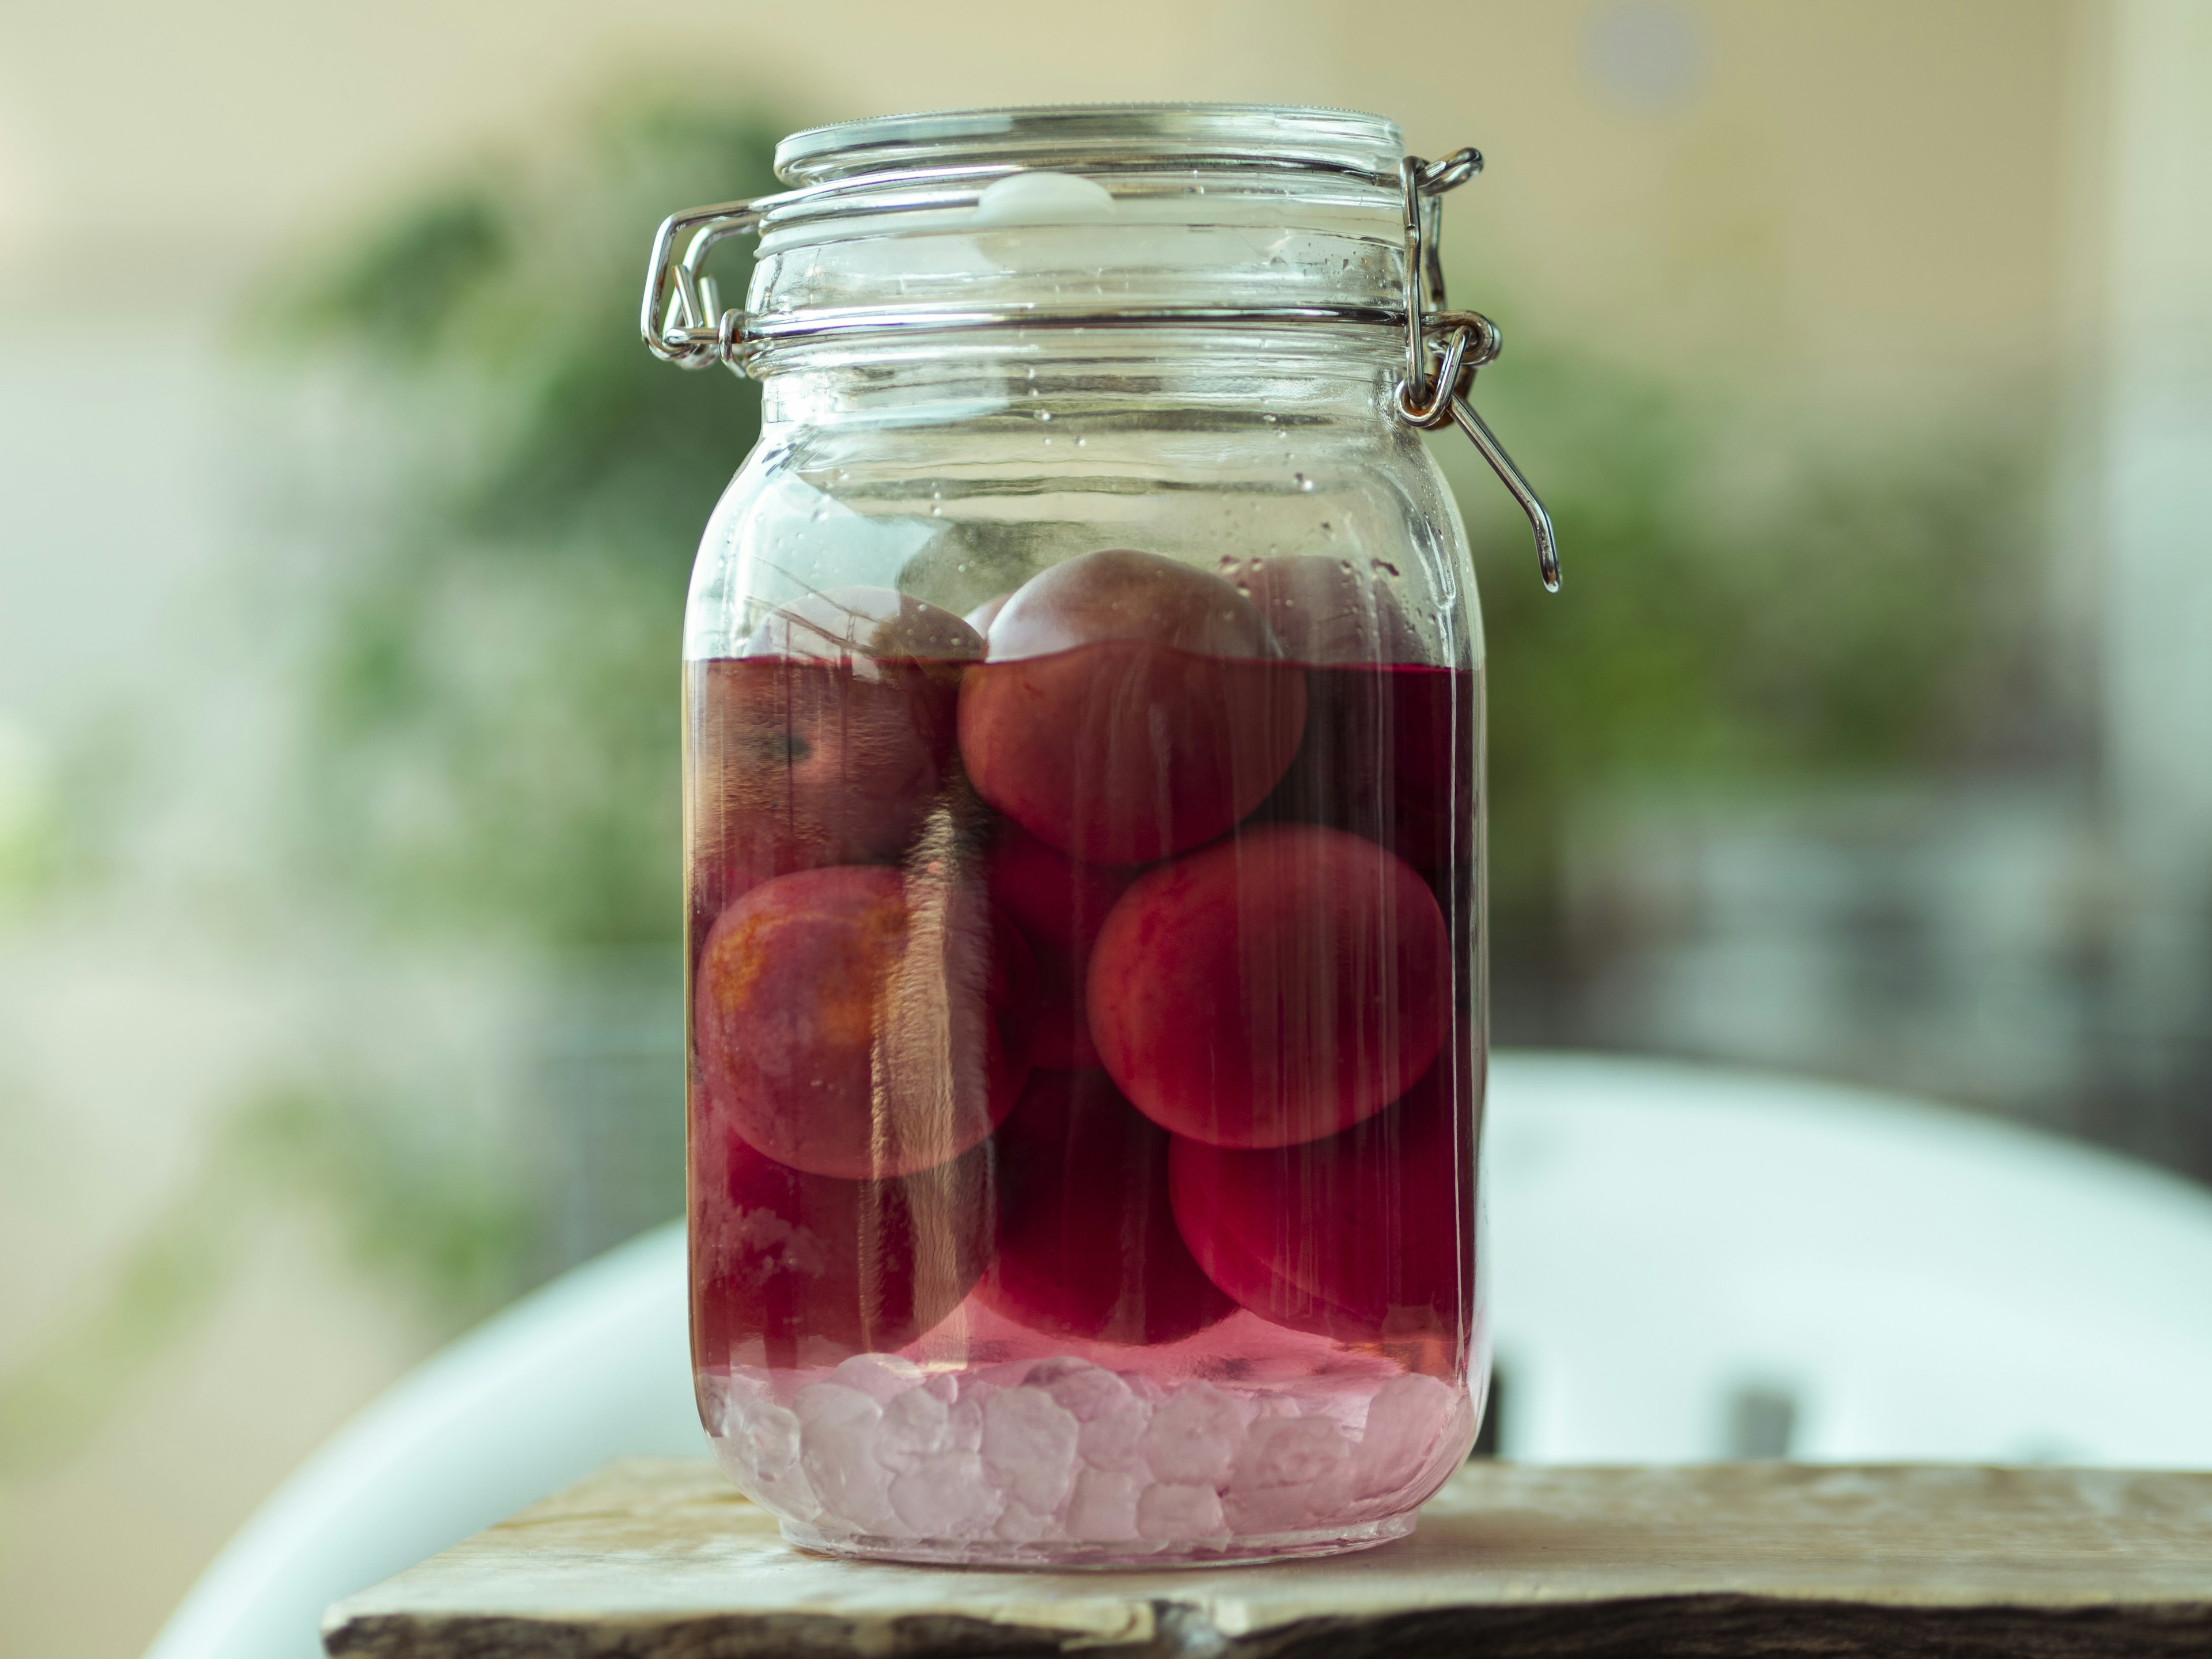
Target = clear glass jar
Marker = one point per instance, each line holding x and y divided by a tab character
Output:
1084	748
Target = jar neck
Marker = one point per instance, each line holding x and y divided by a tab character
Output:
1152	378
1082	222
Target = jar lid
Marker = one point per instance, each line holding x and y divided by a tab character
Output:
1069	136
1067	169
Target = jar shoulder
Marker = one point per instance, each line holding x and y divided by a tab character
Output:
959	514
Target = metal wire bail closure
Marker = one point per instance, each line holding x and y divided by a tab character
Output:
683	323
1469	340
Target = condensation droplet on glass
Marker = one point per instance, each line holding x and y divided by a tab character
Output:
1044	414
1305	484
1079	442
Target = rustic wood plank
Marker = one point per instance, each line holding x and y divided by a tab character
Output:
662	1559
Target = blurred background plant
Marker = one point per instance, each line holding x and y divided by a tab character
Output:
339	889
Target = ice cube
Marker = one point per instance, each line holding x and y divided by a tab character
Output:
1029	1446
945	1496
1178	1512
1143	1387
916	1425
766	1437
1289	1451
963	1426
837	1436
763	1440
1102	1509
1193	1438
881	1377
1404	1420
1112	1417
1019	1524
1292	1469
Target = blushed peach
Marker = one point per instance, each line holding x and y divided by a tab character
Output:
1363	1236
856	1021
1087	1243
1274	988
1128	707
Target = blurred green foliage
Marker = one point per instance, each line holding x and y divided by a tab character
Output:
1749	602
493	745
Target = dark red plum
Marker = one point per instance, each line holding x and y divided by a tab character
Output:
1088	1245
1390	746
1274	988
1060	903
1129	706
792	1268
1363	1236
826	742
856	1021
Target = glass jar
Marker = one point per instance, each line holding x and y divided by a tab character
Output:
1083	797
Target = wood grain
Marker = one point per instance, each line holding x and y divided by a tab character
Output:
662	1559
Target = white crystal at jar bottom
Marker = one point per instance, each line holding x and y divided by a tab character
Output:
1017	1458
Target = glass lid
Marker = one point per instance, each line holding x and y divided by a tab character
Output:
1075	136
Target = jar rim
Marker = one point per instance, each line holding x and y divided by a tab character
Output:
1066	136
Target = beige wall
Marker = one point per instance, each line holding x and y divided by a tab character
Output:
1867	195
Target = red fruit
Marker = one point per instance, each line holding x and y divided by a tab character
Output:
1059	905
1088	1245
1392	754
1128	707
862	1021
983	615
1276	988
1392	749
790	1269
826	741
1365	1236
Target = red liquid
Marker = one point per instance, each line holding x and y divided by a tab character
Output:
967	1099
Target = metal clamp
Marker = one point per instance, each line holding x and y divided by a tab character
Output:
683	323
683	320
1464	340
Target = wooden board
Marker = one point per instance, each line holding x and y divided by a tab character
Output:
663	1559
